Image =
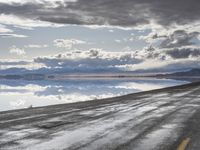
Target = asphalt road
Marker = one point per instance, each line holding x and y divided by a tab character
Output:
166	119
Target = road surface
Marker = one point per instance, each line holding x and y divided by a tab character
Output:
166	119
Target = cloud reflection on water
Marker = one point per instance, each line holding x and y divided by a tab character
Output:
17	94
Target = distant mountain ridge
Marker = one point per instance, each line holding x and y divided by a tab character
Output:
192	75
25	77
192	72
45	74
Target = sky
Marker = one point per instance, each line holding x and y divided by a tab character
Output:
99	35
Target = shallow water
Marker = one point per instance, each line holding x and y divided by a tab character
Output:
17	94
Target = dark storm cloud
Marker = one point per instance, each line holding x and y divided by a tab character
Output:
174	53
179	38
178	53
109	12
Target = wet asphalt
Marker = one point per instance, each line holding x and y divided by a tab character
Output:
155	120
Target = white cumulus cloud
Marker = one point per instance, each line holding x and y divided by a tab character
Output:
17	51
67	43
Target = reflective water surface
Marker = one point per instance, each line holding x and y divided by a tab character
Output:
17	94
